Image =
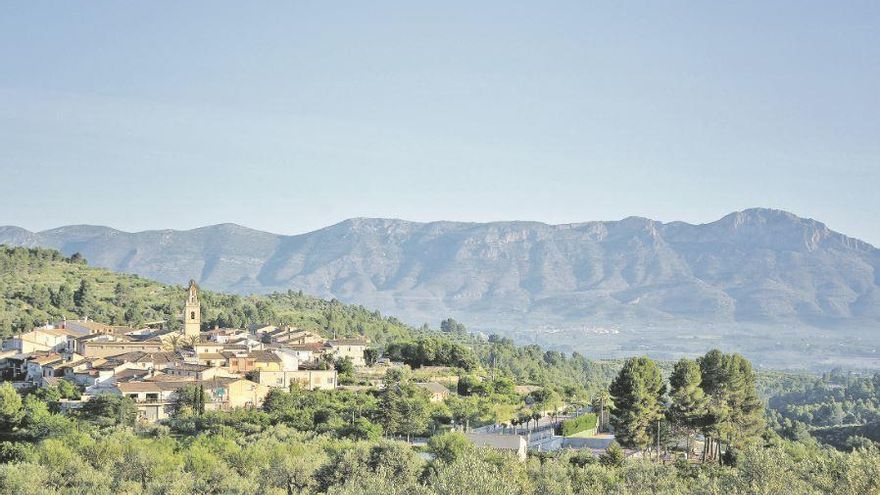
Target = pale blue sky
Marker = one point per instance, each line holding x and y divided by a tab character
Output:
289	116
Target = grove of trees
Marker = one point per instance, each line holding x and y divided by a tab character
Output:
715	395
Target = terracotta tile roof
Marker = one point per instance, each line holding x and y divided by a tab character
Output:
314	347
190	367
235	347
265	356
107	365
211	355
123	330
130	374
47	359
73	364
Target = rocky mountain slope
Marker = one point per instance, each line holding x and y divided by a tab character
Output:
757	266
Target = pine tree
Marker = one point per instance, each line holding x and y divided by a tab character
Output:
63	297
637	392
735	413
687	401
613	456
83	296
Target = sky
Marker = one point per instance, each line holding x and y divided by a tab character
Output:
291	116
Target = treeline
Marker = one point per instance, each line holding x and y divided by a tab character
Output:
835	398
568	374
714	395
432	351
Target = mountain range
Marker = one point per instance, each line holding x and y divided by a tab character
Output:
757	266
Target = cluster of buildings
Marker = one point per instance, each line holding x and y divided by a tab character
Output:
235	367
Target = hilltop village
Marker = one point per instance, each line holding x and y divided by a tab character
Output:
235	367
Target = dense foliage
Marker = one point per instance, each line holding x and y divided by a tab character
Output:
839	408
54	454
715	395
431	351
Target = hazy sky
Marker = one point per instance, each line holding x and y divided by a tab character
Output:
289	116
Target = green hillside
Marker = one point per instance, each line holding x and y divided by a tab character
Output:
40	285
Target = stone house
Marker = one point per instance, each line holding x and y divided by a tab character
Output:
348	348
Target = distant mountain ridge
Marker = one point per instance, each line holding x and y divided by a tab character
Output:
757	265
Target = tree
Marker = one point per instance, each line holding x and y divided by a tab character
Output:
344	366
191	398
449	446
146	462
449	325
687	401
10	408
40	297
68	390
371	355
78	259
404	408
83	297
637	392
735	413
362	429
41	423
613	455
292	470
63	297
470	385
463	410
109	410
121	295
546	399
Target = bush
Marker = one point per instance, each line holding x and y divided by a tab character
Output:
613	456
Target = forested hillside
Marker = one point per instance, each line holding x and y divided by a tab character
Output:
838	408
42	285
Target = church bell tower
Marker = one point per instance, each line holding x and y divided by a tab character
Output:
192	313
